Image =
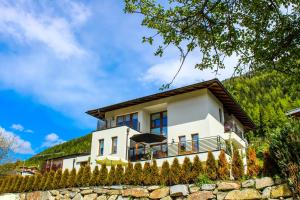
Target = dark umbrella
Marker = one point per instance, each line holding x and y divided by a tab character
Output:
148	138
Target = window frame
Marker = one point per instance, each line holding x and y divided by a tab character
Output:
161	116
99	150
180	144
195	142
131	118
114	149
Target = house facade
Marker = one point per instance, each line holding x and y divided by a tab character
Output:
186	121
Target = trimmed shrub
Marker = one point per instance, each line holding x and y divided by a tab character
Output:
146	175
137	174
197	168
223	167
128	175
18	184
1	182
7	185
119	176
13	183
86	175
29	184
23	184
79	175
175	171
103	175
252	166
111	180
237	165
49	181
57	179
211	167
72	177
64	179
165	173
36	184
43	181
186	171
95	176
154	173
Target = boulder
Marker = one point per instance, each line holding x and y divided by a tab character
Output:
201	195
153	187
167	198
248	183
135	192
34	195
72	194
54	192
243	194
78	196
266	193
9	196
113	192
194	188
47	195
75	189
281	191
113	197
100	190
90	197
208	186
179	190
221	195
226	185
262	183
102	197
159	193
85	192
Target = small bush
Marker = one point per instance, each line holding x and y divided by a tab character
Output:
223	168
49	181
7	185
197	168
72	177
79	175
146	175
12	185
128	176
154	173
175	171
23	184
186	171
165	173
211	167
103	175
111	180
119	176
252	166
1	185
36	184
64	179
86	175
43	181
95	177
203	179
29	184
137	174
57	179
237	165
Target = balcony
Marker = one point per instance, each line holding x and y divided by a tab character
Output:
234	133
164	150
103	125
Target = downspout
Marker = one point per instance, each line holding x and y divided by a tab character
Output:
127	135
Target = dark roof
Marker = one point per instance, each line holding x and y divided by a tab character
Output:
214	85
295	112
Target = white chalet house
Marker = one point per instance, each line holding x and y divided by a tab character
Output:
186	121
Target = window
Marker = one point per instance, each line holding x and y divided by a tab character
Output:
101	147
221	115
114	142
159	123
130	120
195	142
182	144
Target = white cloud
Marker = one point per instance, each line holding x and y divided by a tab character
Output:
19	145
29	131
52	139
17	127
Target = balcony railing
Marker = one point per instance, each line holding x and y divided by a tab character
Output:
103	125
165	150
229	126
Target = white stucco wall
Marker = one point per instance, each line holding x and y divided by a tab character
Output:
68	162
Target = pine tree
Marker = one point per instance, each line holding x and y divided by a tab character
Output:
103	176
128	180
154	173
78	180
211	167
119	174
86	175
23	184
237	165
137	174
29	184
186	171
18	184
146	175
223	168
175	171
49	181
43	181
72	178
111	179
252	167
197	168
64	179
36	183
165	173
57	179
95	177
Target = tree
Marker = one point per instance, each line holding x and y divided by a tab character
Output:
128	175
29	184
7	185
103	175
57	179
95	176
197	168
137	174
175	171
223	168
6	142
17	183
264	35
211	167
86	175
23	184
154	173
64	179
72	177
78	180
49	181
186	171
43	181
165	173
37	180
146	175
111	179
237	165
119	174
13	183
1	182
252	167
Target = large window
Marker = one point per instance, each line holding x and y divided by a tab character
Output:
114	142
182	144
159	123
130	120
195	142
101	147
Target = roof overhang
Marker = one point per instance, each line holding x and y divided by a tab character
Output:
214	86
294	112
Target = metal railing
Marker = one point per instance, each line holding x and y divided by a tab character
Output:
165	150
103	125
229	126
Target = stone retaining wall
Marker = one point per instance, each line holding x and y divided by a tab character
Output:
264	188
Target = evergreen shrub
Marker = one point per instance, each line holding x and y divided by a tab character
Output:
137	174
119	176
175	172
186	171
146	175
49	181
165	173
111	180
36	184
128	175
29	184
95	177
197	168
86	175
57	179
223	167
79	175
154	173
72	177
252	166
43	181
211	167
103	175
64	179
237	165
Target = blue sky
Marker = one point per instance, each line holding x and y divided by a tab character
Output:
60	58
